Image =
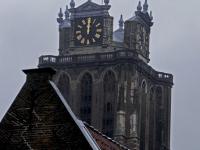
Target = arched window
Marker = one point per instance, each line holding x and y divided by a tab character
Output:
143	117
64	86
158	114
151	120
86	98
109	101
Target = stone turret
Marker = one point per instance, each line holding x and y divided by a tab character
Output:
137	31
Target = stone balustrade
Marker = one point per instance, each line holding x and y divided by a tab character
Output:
125	56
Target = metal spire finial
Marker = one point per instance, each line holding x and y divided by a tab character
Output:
67	22
72	4
145	6
66	13
121	22
139	7
151	17
106	2
60	14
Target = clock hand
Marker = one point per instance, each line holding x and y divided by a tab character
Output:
88	26
88	29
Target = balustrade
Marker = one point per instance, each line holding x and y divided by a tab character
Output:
85	58
106	56
123	54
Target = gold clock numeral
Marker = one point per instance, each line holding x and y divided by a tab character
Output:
99	30
98	24
89	20
79	37
97	35
88	42
83	21
78	32
94	21
83	41
93	40
80	26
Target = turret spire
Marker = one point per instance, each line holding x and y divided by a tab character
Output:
106	2
60	19
139	7
121	22
66	13
145	6
67	22
60	14
151	17
72	4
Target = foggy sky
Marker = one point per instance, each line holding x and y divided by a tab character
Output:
28	29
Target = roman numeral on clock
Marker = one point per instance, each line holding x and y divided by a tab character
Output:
98	24
88	42
83	41
79	37
84	23
97	35
99	30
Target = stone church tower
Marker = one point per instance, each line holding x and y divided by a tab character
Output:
105	77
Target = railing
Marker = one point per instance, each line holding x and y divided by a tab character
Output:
49	60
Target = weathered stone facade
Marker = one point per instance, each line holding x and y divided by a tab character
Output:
111	86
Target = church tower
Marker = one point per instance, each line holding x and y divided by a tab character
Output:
105	77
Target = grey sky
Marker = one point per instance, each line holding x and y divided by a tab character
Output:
28	29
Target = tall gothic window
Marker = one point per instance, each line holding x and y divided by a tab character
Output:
86	98
109	102
63	86
158	114
151	120
143	118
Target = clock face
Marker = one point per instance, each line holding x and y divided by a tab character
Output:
144	41
88	31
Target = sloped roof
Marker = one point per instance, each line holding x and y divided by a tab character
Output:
40	118
104	142
118	35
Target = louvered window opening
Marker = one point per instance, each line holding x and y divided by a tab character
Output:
86	98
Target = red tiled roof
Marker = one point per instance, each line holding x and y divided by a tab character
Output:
104	142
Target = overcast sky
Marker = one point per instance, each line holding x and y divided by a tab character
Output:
28	29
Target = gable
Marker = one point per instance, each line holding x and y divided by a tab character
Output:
39	118
88	6
89	9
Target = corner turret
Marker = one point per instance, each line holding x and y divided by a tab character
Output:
137	31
